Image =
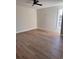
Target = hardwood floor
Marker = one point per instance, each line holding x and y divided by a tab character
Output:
38	44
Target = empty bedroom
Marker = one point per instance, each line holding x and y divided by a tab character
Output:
39	29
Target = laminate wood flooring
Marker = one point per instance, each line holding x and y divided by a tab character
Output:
38	44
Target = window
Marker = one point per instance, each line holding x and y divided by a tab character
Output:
59	20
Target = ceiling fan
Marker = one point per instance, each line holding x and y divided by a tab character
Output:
36	2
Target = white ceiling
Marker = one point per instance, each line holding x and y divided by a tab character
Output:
46	3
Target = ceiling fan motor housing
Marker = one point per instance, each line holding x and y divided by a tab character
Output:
35	2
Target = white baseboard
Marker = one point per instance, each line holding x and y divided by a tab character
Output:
24	30
44	29
48	30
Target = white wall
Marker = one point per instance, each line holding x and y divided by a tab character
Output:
29	18
47	18
26	19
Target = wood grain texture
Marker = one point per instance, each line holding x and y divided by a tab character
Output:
38	44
